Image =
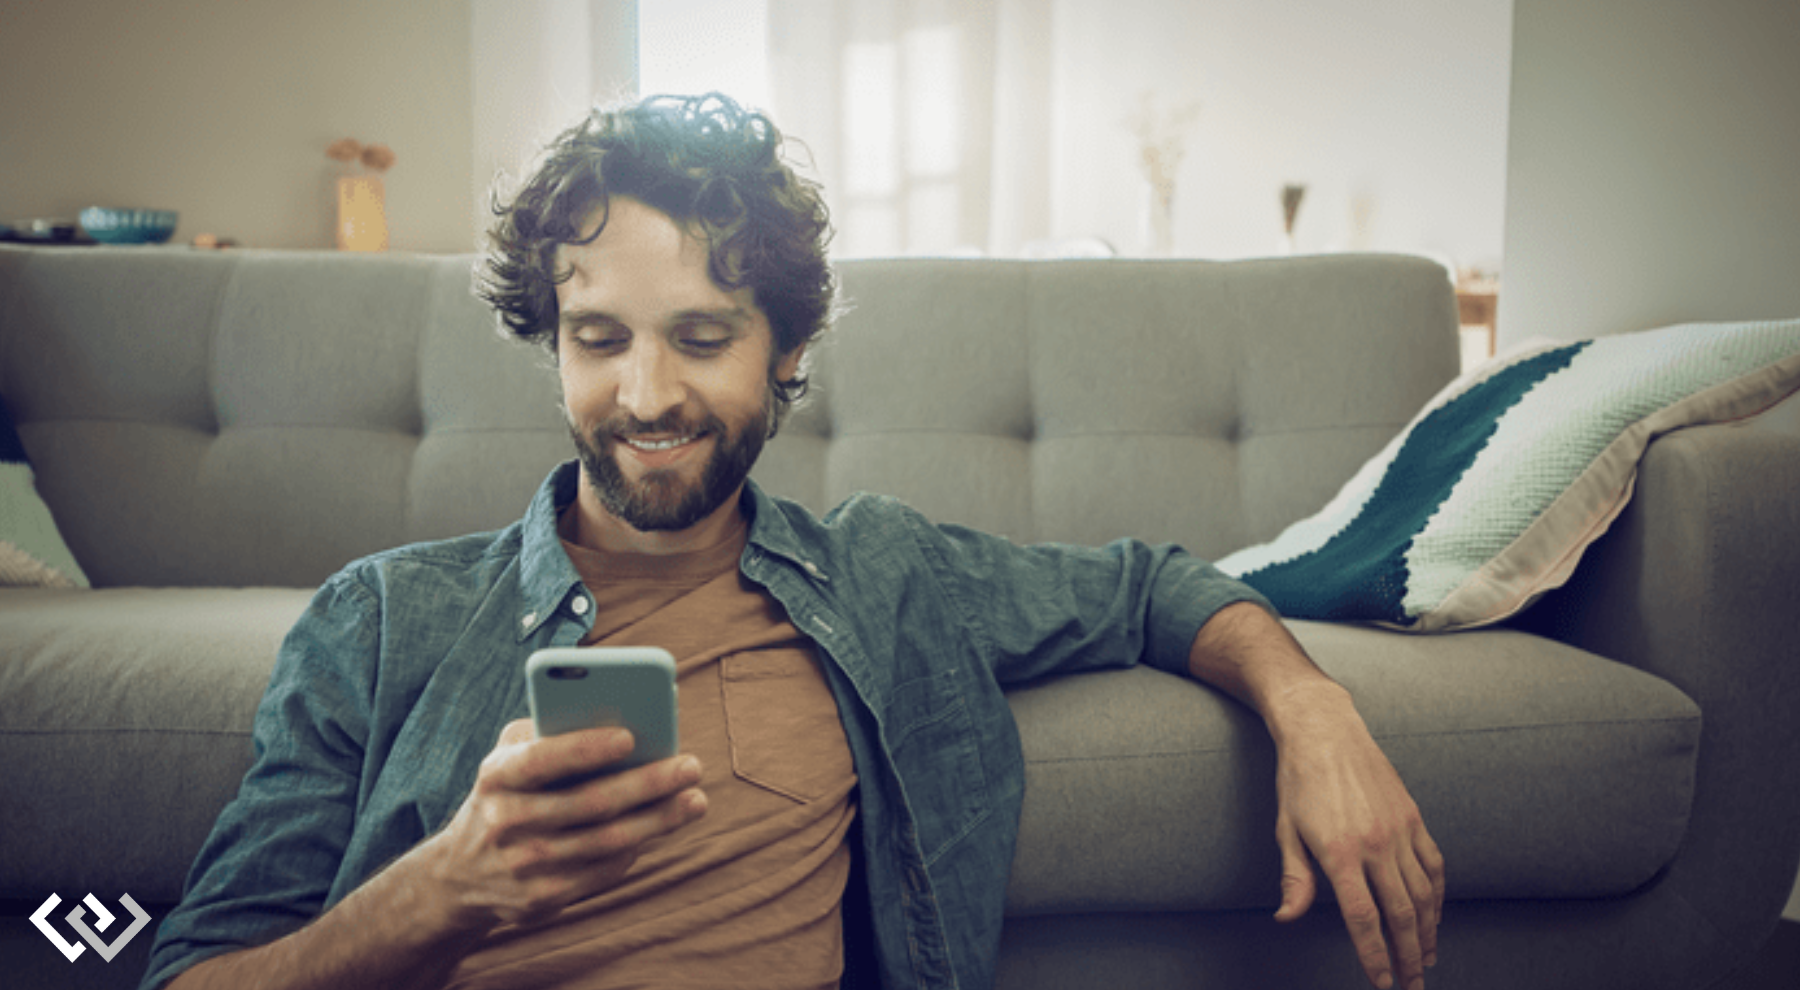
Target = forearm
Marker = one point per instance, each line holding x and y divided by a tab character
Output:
518	850
393	932
1340	801
1247	653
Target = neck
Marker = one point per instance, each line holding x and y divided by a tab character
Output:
598	529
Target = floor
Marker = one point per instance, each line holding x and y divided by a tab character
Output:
1777	967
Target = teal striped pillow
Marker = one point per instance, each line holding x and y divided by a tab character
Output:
1488	498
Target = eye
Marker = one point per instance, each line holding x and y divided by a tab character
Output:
704	339
601	339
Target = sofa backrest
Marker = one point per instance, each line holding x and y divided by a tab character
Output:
261	418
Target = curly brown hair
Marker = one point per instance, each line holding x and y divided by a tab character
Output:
712	167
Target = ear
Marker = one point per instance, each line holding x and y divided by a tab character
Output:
788	365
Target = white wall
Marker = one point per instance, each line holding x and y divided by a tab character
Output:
1396	103
1653	169
222	109
537	66
1653	165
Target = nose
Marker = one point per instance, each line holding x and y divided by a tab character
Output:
649	381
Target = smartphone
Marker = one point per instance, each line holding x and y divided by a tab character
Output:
582	687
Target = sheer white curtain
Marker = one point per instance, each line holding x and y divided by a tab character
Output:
928	121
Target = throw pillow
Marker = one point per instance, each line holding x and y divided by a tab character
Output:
32	552
1489	496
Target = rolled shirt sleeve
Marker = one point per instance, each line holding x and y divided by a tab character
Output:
270	862
1058	608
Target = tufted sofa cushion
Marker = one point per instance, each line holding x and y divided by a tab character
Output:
251	431
1082	401
256	433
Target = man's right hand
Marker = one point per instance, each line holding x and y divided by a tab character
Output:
520	848
524	845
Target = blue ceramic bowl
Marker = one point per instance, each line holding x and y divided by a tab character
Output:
110	225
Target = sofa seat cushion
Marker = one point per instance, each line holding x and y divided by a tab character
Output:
124	728
1541	770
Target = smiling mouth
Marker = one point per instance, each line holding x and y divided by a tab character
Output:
652	446
660	449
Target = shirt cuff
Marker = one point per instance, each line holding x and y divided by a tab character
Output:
1186	594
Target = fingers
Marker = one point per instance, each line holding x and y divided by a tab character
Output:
1349	808
610	838
1297	885
1431	864
530	778
523	762
526	780
1402	918
605	846
1362	917
613	796
519	730
1392	926
519	847
1391	903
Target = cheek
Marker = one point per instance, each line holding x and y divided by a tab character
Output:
582	395
739	386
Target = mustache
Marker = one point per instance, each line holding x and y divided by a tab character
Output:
626	425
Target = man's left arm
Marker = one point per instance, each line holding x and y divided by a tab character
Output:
1340	800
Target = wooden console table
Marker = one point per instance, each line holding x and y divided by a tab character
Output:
1477	305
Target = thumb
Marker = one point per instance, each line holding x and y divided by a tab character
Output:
1297	884
519	730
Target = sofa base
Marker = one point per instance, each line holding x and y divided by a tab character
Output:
1482	945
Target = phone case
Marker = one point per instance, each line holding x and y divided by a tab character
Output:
581	687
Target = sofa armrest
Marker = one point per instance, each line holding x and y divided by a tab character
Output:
1698	582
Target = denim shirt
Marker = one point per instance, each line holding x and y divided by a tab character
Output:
397	680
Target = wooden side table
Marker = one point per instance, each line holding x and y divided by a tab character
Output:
1478	305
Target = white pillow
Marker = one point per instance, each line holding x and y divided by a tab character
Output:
1489	496
32	552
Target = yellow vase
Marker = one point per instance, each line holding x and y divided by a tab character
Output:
361	213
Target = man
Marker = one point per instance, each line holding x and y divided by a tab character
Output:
846	803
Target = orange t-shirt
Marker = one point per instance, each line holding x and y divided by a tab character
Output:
749	895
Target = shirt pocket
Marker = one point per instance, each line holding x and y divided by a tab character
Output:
781	721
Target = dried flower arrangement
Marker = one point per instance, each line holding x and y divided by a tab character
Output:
1291	195
1162	139
1162	144
375	157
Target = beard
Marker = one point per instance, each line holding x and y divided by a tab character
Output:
662	501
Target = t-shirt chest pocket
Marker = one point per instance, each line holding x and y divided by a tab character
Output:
782	723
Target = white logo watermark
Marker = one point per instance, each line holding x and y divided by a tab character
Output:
103	920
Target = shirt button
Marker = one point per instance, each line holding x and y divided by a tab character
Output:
580	605
529	620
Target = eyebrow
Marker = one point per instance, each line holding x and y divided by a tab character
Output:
732	315
584	317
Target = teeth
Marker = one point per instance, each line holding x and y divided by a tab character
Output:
653	445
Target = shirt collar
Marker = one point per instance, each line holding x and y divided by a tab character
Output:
772	531
547	578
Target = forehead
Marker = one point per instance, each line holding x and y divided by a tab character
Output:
641	263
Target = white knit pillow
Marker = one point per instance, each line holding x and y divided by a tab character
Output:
32	552
1489	496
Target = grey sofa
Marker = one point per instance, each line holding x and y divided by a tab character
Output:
1612	777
